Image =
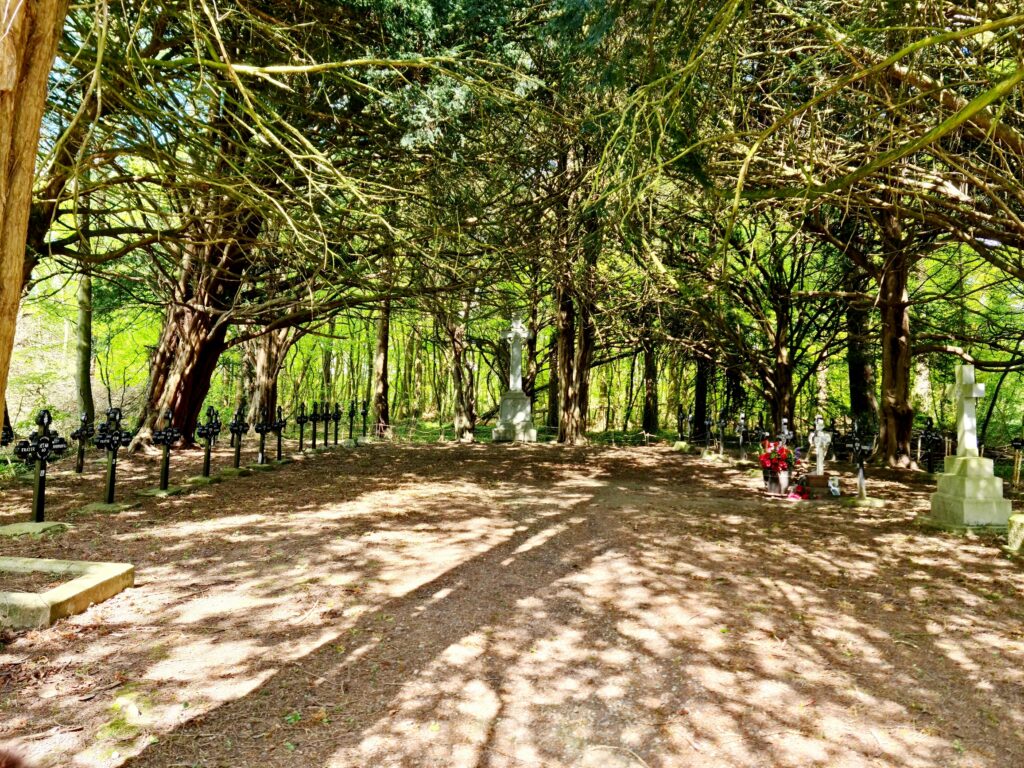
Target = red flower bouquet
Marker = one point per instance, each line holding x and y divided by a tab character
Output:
776	457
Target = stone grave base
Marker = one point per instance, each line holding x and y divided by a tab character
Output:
1015	535
157	493
232	472
515	420
199	481
818	482
93	583
32	529
968	495
106	509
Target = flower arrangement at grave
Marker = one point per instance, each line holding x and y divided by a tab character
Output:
776	457
799	492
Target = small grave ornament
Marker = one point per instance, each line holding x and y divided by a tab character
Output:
238	427
336	418
314	420
279	424
301	420
112	438
165	438
208	432
263	426
83	434
41	446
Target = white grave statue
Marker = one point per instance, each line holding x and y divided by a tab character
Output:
515	414
822	440
968	494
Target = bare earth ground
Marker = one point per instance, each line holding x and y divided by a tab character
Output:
517	606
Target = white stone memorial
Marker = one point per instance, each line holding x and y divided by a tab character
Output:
968	494
515	414
821	440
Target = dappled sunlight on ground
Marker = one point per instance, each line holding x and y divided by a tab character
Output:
527	606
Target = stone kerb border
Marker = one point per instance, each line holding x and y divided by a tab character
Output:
94	583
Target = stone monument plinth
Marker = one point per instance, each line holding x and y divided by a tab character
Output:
968	494
515	413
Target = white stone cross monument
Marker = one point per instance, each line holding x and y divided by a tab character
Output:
968	494
515	414
821	441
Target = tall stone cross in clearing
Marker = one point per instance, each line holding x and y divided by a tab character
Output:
515	412
515	336
968	494
967	393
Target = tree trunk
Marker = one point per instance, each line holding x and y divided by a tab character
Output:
381	405
650	417
328	363
29	32
860	362
462	381
700	398
269	353
83	368
181	372
553	386
569	429
897	418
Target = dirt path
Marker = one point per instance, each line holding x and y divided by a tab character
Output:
530	606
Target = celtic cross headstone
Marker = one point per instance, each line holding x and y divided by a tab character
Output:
314	420
263	426
301	420
279	424
112	438
83	434
238	427
208	432
41	446
165	438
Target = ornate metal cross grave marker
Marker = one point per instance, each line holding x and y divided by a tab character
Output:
238	427
208	432
165	438
314	419
263	426
336	418
279	424
351	419
709	423
325	411
6	435
301	420
366	411
112	439
41	446
1018	446
83	434
930	439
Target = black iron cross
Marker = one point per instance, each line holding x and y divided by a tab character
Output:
41	446
263	426
336	418
83	434
112	439
930	437
314	420
279	424
165	438
301	420
208	432
238	427
366	410
351	419
708	432
325	412
6	435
